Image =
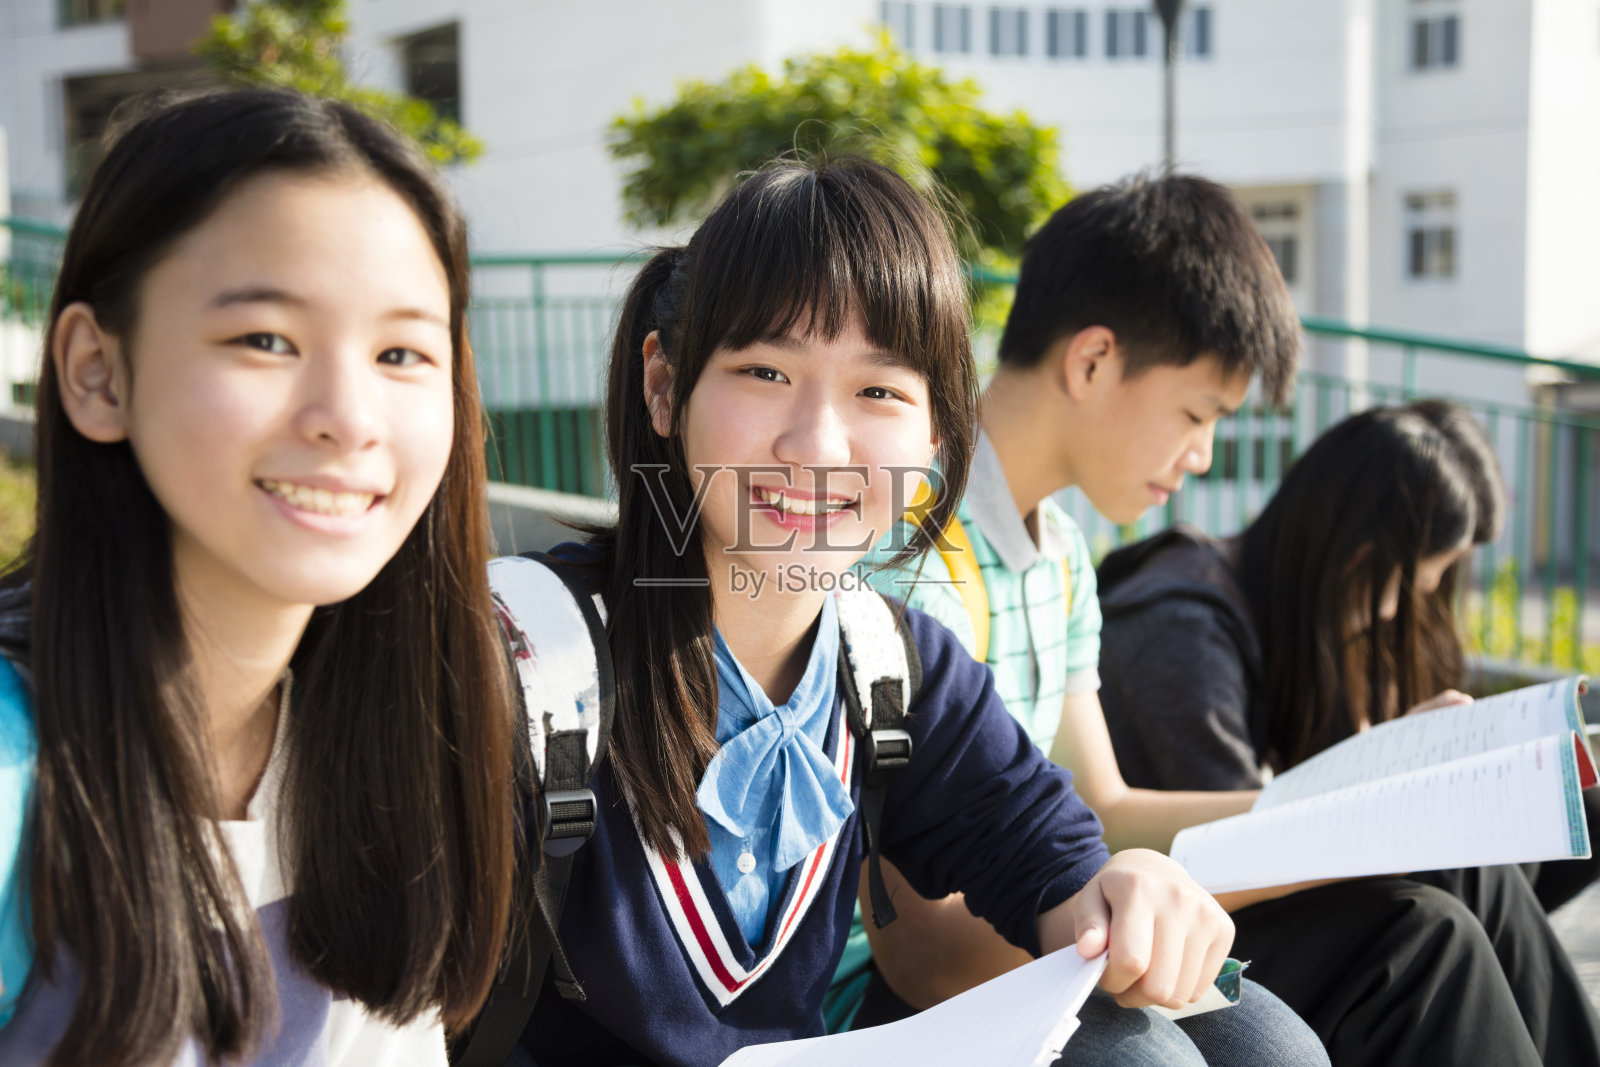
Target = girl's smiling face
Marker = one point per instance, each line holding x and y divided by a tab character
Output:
800	438
287	388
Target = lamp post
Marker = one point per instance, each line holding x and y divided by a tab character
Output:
1169	11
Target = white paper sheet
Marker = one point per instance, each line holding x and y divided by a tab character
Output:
1511	805
1021	1019
1430	738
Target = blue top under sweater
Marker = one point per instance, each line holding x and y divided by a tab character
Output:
770	795
668	975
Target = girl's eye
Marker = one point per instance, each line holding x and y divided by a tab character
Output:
401	357
878	392
275	343
1196	419
766	374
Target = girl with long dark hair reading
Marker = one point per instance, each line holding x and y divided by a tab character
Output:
774	387
258	761
1332	612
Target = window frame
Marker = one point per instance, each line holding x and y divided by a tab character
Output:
904	29
1433	40
963	22
1019	18
1074	20
1431	242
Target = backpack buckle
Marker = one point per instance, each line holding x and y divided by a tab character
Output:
889	750
569	820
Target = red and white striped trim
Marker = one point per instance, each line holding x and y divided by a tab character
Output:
696	924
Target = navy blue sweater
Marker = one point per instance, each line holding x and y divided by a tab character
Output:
668	976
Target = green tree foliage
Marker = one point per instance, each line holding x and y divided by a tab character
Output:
298	44
1003	170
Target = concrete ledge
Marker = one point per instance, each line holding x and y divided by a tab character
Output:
522	519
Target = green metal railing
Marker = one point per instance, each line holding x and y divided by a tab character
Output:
541	329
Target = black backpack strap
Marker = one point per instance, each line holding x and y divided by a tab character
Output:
879	673
554	770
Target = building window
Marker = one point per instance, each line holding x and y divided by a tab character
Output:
1127	32
1279	224
1431	235
901	22
1008	31
1196	32
1066	33
1435	42
82	12
952	28
432	62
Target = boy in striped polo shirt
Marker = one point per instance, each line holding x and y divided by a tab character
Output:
1142	312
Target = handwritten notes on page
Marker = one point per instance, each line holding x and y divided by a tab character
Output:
1021	1019
1512	804
1429	738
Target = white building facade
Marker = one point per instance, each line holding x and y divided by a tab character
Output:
1426	165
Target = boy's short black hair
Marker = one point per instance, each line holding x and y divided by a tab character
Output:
1173	266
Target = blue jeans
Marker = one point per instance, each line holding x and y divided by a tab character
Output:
1261	1031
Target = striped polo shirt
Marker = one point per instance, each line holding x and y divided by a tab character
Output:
1040	648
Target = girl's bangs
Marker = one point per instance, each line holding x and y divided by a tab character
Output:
833	244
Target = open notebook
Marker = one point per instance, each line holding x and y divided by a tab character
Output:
1496	781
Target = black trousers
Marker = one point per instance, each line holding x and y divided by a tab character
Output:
1445	967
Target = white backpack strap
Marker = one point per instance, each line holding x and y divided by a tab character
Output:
873	648
563	665
879	673
557	641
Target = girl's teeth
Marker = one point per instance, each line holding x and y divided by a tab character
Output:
320	501
800	507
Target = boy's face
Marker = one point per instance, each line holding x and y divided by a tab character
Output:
1142	434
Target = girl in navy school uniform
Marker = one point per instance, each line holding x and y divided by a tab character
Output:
769	383
255	734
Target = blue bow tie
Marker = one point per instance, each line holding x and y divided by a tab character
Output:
776	753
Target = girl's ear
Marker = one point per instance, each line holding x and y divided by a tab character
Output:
1085	359
658	384
93	376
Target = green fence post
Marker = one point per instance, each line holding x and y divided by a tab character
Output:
1297	417
1215	479
561	367
1486	579
1271	456
526	410
1408	372
483	356
541	356
1520	540
1246	451
1550	541
1580	542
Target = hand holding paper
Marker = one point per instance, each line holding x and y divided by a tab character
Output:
1166	936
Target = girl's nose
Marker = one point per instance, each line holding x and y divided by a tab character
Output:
340	408
815	435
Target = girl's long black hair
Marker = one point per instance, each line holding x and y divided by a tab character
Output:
1371	497
795	246
398	824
